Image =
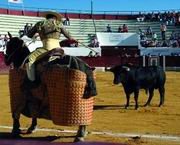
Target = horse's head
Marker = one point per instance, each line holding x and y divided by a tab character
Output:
16	51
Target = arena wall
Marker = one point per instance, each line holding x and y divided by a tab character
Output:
70	15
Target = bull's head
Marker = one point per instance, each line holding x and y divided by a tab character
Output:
120	73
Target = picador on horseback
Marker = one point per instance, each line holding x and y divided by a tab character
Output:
57	86
49	31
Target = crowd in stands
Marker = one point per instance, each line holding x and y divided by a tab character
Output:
169	18
148	38
121	29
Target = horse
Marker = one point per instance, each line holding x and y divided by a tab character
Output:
16	53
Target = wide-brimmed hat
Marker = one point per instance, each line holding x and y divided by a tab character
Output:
57	15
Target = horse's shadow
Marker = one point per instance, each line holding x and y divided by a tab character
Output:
9	136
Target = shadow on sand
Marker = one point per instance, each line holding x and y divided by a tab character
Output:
113	107
8	139
8	135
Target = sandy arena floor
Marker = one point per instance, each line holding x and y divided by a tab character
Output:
111	122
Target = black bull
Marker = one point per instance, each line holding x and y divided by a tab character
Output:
135	78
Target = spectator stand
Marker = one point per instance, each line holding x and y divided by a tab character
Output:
81	28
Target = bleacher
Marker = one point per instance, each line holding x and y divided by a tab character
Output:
81	29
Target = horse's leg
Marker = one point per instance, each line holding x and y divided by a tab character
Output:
81	133
33	109
16	125
33	126
16	116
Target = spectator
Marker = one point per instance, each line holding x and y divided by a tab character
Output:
168	18
21	33
141	34
29	27
154	36
67	21
108	28
125	28
149	31
94	42
153	17
164	44
90	54
178	40
163	31
2	43
159	17
177	19
174	43
148	17
173	18
173	36
141	17
26	28
119	29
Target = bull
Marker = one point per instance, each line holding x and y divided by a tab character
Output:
134	78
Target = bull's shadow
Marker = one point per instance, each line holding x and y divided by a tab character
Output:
116	107
108	107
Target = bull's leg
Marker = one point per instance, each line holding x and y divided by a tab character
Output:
151	94
161	92
127	99
136	94
81	133
33	126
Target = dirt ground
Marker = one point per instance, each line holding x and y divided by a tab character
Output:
110	115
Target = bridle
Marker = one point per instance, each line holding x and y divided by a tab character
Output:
12	54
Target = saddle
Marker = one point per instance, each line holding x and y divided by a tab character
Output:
57	58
